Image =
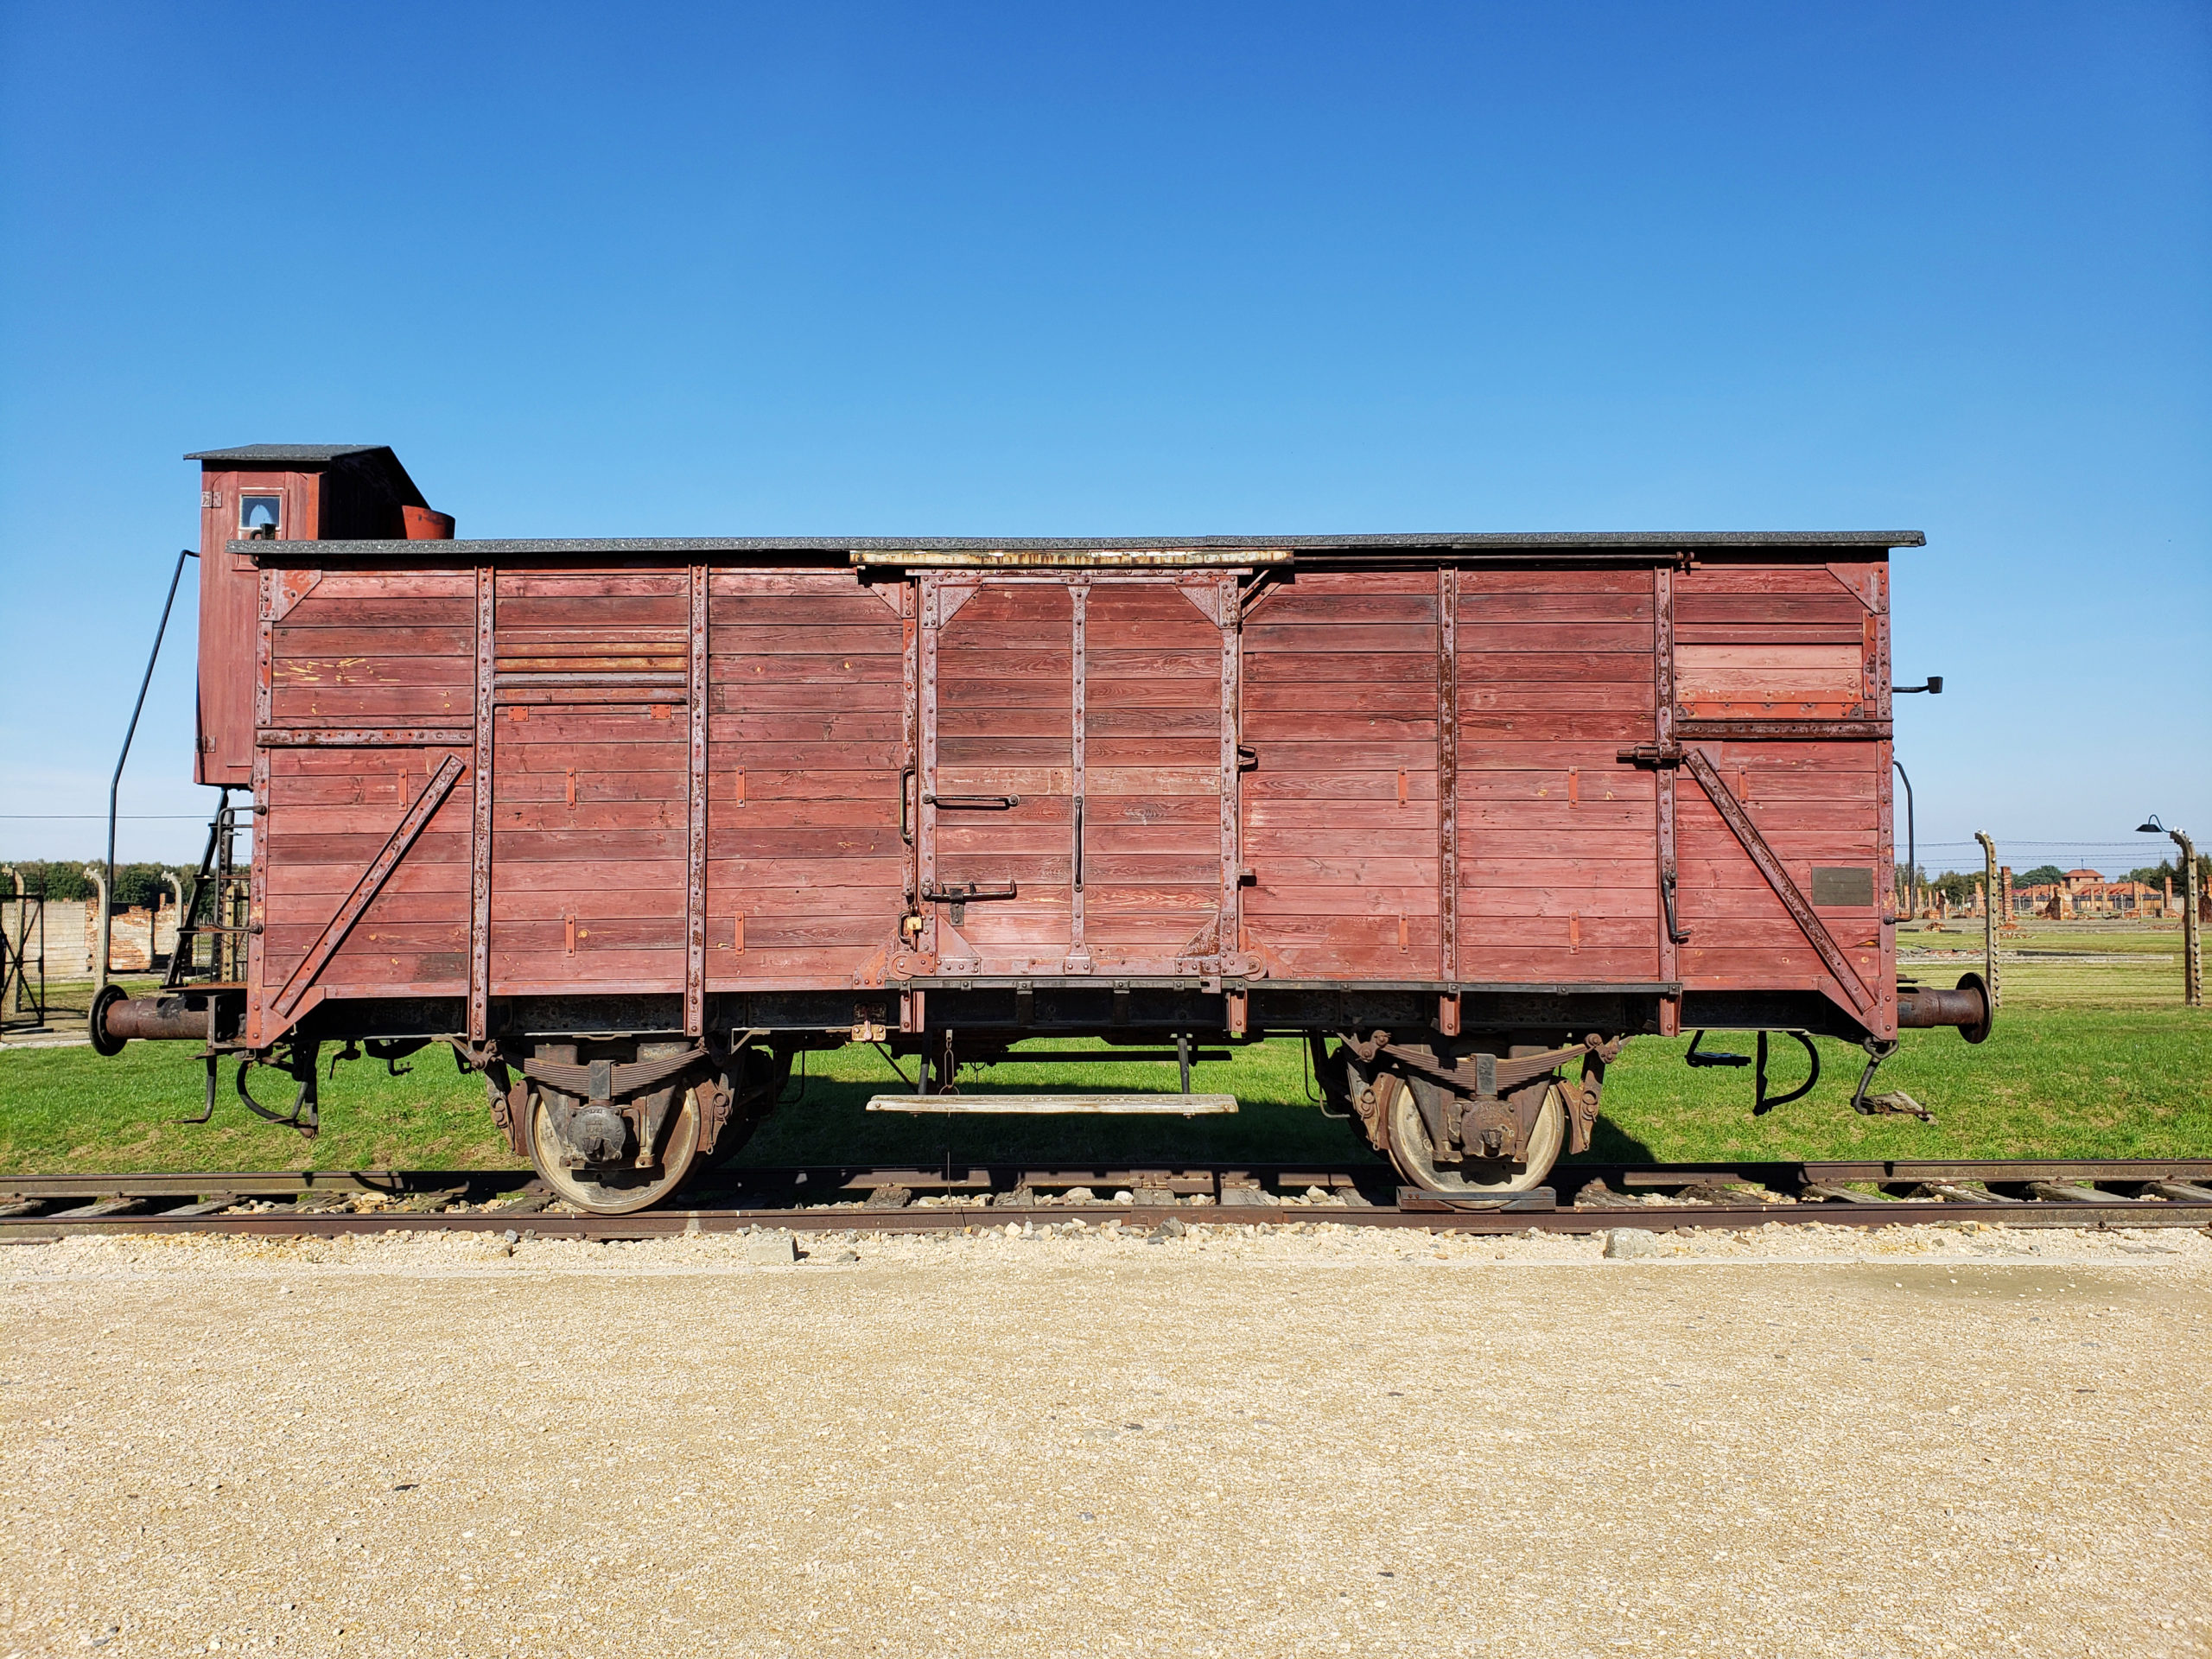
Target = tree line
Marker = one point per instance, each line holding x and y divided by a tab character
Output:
135	885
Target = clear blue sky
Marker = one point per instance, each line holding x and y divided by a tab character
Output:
1145	268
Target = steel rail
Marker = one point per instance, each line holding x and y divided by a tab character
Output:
1798	1194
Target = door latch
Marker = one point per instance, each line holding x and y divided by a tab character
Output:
961	894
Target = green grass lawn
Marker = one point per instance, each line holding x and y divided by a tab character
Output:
2087	1060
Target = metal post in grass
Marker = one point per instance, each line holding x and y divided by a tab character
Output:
1989	919
2192	939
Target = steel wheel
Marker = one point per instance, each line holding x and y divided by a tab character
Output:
617	1192
1413	1153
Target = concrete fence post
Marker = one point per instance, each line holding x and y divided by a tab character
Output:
2192	937
98	877
1989	918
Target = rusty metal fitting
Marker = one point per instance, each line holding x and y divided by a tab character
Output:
1967	1007
116	1019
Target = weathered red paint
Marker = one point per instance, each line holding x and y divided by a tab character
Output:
730	771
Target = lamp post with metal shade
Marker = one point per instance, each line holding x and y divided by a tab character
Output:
2192	945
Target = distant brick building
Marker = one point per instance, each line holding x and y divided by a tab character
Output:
2087	893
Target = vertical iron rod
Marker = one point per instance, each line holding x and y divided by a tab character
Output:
107	894
1911	850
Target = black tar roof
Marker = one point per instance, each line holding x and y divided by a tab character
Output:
1489	542
312	454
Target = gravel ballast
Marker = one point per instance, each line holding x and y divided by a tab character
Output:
1300	1440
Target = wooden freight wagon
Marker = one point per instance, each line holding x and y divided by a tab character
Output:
631	823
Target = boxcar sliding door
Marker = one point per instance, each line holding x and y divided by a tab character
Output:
590	816
1077	759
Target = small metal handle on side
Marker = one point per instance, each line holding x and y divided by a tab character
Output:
972	803
907	805
1675	934
1078	844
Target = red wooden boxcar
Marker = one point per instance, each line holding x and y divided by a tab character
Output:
631	823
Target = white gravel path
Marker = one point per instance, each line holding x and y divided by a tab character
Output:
1306	1440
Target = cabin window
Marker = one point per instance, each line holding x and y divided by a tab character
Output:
261	518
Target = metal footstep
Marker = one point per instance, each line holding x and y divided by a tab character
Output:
1174	1105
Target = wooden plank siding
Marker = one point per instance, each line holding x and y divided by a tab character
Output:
1762	640
1340	812
806	873
375	649
818	692
1556	678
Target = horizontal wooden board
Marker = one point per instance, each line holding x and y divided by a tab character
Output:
848	606
1306	899
874	726
441	617
1555	817
1264	638
513	613
1349	865
352	670
1335	608
1573	667
611	729
590	816
1732	574
1521	697
844	841
1358	788
753	682
752	581
1353	583
1050	749
434	846
1549	964
1493	865
1594	784
1570	580
1602	729
739	641
1495	901
430	973
1749	613
1569	610
371	705
586	586
1350	822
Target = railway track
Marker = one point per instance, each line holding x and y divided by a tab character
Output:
1584	1198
